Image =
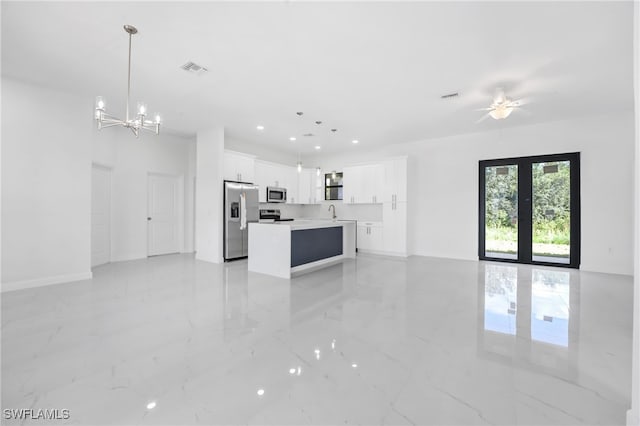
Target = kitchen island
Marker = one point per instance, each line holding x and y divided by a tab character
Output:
286	249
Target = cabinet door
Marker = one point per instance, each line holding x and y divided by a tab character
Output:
363	239
304	186
245	167
349	184
229	167
317	191
400	179
376	176
395	228
395	180
262	178
377	238
370	236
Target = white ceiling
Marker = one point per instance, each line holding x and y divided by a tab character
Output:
374	71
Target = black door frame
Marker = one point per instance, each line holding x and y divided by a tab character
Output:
524	207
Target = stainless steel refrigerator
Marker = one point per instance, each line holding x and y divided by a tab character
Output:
240	208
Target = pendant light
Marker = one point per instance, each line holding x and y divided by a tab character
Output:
135	124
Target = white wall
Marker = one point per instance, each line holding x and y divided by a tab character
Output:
443	185
209	195
263	152
131	160
633	415
46	186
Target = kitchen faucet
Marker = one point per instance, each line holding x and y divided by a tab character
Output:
334	211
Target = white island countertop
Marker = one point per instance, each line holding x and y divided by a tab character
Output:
288	248
309	223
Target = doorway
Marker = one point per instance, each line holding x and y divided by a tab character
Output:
100	215
163	214
530	210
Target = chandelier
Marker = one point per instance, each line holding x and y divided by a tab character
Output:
141	120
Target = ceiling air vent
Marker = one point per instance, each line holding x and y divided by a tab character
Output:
450	95
194	68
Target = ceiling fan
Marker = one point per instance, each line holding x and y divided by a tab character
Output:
501	107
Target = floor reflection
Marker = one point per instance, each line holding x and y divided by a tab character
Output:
550	306
500	297
528	315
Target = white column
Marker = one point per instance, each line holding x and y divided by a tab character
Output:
633	415
209	214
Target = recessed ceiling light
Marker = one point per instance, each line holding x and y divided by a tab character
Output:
260	392
355	141
317	146
260	127
151	405
292	138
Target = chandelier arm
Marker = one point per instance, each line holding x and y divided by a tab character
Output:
110	124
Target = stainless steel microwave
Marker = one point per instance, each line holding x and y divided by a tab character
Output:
276	195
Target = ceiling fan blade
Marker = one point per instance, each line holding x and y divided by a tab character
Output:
523	111
484	117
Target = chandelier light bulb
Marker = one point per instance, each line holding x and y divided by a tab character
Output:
142	108
317	171
100	103
299	166
157	118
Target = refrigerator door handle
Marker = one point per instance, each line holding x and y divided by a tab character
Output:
243	211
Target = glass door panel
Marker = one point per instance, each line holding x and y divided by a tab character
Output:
551	212
501	212
529	210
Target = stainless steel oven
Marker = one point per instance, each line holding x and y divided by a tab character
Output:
276	195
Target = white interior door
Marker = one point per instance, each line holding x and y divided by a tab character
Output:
163	214
100	215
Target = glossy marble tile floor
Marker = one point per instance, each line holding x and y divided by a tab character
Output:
376	340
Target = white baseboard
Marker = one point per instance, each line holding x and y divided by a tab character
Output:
633	418
382	253
40	282
127	257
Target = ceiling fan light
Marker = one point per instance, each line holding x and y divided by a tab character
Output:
500	112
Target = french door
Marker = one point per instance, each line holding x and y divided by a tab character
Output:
530	210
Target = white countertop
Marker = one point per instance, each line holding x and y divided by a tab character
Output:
298	224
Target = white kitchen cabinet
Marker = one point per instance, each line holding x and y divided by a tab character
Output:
266	175
395	180
239	167
279	176
370	237
363	184
306	186
394	218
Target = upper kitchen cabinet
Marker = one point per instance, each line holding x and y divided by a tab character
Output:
290	182
363	184
395	180
306	187
279	176
239	167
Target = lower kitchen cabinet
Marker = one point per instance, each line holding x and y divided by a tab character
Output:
370	237
394	217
